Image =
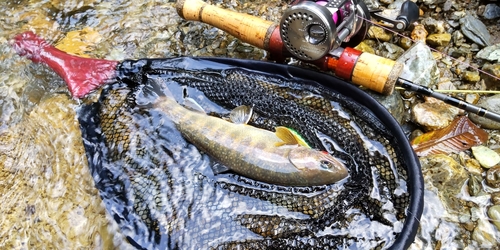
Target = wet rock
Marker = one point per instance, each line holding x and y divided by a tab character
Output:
438	40
405	43
483	234
472	165
419	65
379	34
485	156
475	30
458	37
393	103
495	199
433	114
433	2
471	76
493	176
446	175
490	53
392	51
491	103
474	185
419	33
365	47
494	214
491	11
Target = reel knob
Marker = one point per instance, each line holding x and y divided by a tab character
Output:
308	31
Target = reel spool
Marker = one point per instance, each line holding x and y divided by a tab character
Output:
310	30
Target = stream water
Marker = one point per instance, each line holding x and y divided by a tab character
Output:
47	193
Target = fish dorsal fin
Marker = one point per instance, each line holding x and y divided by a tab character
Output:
191	104
290	137
241	114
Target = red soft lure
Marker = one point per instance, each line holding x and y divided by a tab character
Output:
82	75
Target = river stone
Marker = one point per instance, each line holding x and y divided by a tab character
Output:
438	40
419	65
443	173
484	234
365	47
491	11
391	51
495	198
379	34
393	103
494	214
475	30
419	33
491	103
490	53
471	76
493	177
486	157
433	114
434	26
433	2
491	76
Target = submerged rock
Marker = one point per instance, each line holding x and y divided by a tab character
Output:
493	176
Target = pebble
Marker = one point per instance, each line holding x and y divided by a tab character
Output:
491	11
491	103
434	26
494	214
433	114
475	30
471	76
495	198
483	234
438	40
393	103
419	33
448	176
379	34
471	164
365	47
391	51
486	157
491	80
419	65
490	53
474	185
493	177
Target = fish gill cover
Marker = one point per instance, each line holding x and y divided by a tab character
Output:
162	191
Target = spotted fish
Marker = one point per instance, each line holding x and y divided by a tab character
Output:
260	154
161	190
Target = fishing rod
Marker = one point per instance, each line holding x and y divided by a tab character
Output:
322	33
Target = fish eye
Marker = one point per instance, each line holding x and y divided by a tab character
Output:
326	164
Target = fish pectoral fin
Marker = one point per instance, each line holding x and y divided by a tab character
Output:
191	104
241	114
289	137
219	168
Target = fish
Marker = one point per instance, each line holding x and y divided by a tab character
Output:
276	158
164	194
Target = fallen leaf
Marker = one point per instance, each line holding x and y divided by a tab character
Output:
460	135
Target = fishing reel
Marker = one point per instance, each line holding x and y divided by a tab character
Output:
312	29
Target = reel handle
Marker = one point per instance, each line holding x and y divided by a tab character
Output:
247	28
371	71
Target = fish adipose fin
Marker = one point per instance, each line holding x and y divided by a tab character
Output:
241	114
289	137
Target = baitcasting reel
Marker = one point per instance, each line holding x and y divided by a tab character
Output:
312	29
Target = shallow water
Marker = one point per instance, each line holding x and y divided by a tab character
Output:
47	193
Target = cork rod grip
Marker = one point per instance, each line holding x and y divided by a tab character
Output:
247	28
376	73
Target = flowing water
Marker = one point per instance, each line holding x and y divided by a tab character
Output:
48	196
